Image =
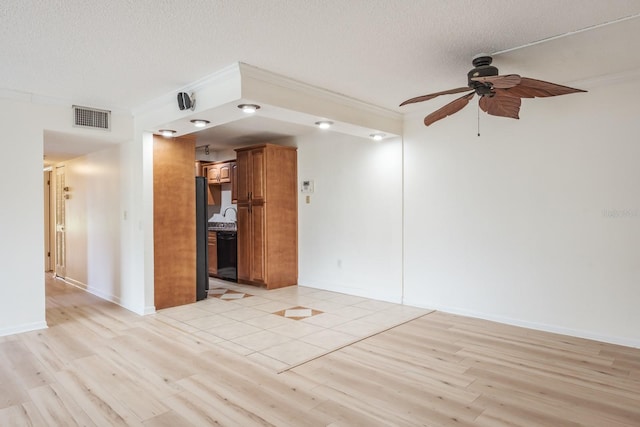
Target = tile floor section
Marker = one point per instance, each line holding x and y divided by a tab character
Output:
284	327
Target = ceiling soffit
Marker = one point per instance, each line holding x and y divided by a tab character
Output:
280	98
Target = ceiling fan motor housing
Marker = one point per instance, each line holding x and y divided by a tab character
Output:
483	68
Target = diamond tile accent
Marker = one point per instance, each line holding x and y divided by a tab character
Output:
232	296
227	294
298	313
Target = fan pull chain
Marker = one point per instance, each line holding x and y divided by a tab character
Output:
478	119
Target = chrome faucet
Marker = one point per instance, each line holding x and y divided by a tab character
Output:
224	214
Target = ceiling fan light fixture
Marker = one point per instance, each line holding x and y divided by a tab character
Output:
167	133
499	95
200	123
324	124
377	136
249	108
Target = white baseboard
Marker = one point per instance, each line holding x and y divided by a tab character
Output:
151	309
25	327
577	333
108	297
393	297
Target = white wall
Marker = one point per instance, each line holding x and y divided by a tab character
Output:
350	232
519	225
21	225
22	293
93	223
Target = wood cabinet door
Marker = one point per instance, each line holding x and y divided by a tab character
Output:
213	174
258	244
257	175
224	174
213	253
244	242
234	183
242	180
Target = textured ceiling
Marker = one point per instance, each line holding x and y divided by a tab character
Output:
119	54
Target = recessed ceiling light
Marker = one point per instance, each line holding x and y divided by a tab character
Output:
324	124
249	108
200	123
377	136
168	133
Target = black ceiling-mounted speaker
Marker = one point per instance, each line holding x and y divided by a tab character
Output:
186	101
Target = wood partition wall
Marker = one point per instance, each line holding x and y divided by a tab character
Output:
174	221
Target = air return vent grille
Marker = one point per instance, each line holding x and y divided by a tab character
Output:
91	118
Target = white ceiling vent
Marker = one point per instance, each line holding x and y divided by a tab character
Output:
92	118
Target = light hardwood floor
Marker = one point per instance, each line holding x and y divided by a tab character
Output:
98	364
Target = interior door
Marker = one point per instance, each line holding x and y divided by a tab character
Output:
47	220
61	196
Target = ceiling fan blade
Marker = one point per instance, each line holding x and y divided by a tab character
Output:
449	109
433	95
500	82
532	88
503	106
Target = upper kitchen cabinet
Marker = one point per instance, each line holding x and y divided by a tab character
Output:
219	173
267	215
225	172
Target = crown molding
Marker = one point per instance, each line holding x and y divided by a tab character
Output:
259	74
224	74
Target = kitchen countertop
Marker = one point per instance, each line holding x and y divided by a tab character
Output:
222	226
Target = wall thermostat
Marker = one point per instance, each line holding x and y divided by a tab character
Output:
307	186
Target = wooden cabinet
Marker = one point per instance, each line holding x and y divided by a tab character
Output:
267	215
213	253
234	182
219	173
225	173
213	174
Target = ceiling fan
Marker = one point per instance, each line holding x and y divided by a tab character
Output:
499	95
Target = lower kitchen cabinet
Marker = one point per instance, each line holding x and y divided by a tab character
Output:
213	253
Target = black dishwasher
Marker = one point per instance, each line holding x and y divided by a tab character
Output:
227	255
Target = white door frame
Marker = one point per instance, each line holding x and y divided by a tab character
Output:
60	214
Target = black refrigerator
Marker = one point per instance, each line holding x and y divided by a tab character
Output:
202	256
